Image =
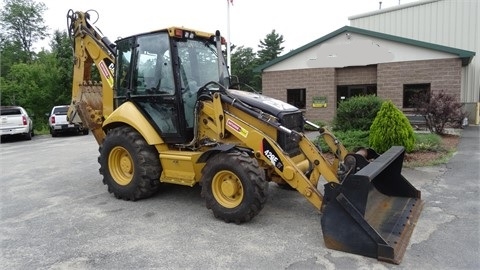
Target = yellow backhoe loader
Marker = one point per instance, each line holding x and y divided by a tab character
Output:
165	111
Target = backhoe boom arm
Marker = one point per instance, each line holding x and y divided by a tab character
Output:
91	101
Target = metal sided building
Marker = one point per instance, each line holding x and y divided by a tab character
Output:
452	23
354	60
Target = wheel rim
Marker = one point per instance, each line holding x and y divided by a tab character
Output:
120	164
227	189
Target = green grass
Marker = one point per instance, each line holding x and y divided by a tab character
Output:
427	142
352	140
431	143
42	130
424	142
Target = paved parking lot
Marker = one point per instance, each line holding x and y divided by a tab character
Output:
57	214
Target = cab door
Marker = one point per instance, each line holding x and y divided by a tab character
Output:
145	77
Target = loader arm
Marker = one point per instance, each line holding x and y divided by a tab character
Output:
371	209
91	101
291	169
254	134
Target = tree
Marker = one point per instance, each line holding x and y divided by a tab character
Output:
11	54
440	110
391	127
243	62
22	24
270	47
62	51
31	86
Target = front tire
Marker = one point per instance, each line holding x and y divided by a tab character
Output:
130	167
234	186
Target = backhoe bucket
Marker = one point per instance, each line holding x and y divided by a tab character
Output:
373	212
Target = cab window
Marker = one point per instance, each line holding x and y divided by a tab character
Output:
153	72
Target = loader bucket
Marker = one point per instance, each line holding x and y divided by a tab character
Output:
373	212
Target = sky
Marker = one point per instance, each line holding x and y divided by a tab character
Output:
299	21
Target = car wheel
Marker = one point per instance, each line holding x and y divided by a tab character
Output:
28	136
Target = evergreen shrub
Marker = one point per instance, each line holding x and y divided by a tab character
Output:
357	113
391	127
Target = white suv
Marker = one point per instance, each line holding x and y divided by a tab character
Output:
58	122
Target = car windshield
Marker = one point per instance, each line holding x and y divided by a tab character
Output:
60	110
200	62
10	111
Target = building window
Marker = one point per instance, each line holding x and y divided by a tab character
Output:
297	97
345	92
411	91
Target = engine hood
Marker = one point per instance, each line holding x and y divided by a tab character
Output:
266	104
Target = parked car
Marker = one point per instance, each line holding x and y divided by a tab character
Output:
15	121
58	122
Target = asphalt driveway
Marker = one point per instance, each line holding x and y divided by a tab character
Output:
57	214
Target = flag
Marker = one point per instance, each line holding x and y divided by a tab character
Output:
231	1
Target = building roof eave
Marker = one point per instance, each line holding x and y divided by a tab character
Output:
301	49
464	55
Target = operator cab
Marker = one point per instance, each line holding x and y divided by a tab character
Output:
160	72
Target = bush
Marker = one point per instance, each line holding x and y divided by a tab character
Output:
352	140
441	110
391	127
357	113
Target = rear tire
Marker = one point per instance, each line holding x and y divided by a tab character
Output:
130	167
28	136
234	186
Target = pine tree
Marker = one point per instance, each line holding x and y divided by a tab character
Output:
270	47
391	127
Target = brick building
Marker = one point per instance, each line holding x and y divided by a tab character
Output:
452	23
352	61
